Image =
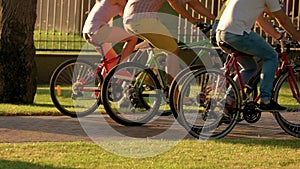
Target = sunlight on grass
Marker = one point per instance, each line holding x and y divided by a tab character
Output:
286	97
223	153
43	105
187	154
57	40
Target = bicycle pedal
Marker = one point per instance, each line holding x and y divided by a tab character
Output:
75	96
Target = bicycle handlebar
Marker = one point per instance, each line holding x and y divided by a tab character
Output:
285	45
204	27
286	42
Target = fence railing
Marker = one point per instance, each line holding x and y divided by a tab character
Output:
59	23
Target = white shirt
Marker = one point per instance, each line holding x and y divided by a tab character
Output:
240	15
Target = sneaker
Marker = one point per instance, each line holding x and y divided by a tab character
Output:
123	103
188	101
76	95
230	105
272	106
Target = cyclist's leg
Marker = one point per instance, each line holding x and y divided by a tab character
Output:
166	43
129	46
254	44
160	37
101	36
248	66
115	35
108	51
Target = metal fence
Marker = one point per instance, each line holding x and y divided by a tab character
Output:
59	22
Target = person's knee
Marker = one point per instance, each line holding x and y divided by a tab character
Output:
176	50
271	58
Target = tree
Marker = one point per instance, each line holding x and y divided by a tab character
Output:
17	51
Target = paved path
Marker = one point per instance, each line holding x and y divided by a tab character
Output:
62	128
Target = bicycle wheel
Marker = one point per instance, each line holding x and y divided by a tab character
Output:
286	96
211	117
74	88
131	94
176	86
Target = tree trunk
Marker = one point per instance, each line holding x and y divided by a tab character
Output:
17	51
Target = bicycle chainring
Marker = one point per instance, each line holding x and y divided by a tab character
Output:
250	112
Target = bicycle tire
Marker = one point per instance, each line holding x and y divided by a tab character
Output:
209	119
175	86
141	97
289	120
62	82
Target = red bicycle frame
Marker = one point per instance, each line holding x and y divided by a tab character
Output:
102	69
285	66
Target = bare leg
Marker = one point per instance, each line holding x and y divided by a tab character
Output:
129	46
172	66
116	35
109	53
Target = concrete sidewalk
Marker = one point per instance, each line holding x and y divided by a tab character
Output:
61	128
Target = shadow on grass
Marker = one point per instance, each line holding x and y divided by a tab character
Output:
289	143
43	105
26	165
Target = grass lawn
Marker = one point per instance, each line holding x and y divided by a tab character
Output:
58	40
42	105
223	153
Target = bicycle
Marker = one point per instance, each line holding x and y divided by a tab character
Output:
213	118
143	88
75	84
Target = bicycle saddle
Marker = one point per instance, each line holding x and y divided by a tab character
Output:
229	49
226	47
